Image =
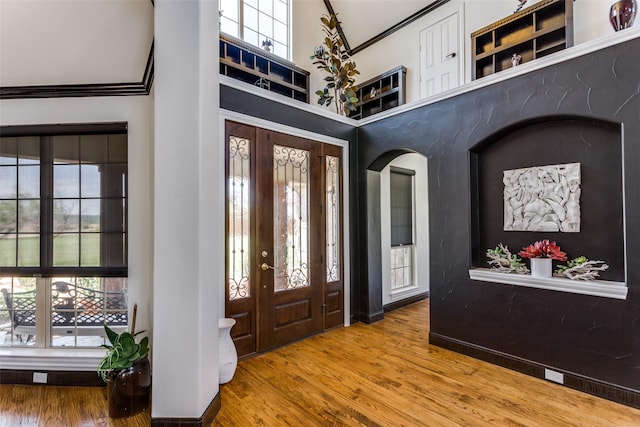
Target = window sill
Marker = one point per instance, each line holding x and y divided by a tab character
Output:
51	359
599	288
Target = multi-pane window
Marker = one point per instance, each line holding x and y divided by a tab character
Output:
63	234
402	234
263	23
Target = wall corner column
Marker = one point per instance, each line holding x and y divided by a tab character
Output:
188	211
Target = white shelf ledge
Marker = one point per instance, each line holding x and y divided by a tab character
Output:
598	288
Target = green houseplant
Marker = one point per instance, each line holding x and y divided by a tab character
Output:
333	58
127	371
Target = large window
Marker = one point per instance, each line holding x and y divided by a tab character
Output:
263	23
402	233
63	234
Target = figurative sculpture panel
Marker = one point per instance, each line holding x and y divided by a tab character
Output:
543	198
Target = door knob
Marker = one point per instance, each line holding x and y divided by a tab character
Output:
266	266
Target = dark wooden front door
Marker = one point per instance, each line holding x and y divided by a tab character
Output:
284	275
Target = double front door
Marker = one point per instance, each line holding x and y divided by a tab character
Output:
284	277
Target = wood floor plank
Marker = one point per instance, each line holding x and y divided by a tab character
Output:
379	375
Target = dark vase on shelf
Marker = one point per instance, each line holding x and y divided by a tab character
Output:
622	14
128	390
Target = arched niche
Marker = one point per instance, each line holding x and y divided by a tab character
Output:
552	140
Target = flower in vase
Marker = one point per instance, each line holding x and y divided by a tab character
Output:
543	249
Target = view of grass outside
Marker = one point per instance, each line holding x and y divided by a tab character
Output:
66	250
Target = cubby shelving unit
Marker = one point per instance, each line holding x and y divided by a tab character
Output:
245	62
539	30
390	88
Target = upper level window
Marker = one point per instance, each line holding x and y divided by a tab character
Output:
63	234
258	22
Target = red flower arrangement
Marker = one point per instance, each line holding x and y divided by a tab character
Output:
543	249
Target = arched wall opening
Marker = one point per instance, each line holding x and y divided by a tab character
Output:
385	291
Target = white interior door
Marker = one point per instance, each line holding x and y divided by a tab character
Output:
440	56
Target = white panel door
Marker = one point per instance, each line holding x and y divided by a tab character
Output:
440	56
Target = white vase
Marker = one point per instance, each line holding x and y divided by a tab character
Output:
228	356
541	267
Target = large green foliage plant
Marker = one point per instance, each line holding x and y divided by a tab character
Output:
333	58
122	350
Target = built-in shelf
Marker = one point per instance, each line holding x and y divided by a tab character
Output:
247	63
539	30
599	288
381	93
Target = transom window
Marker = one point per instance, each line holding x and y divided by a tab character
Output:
63	234
262	23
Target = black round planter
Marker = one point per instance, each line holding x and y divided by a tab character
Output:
128	390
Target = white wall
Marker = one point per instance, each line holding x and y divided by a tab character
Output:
138	112
188	207
418	163
591	21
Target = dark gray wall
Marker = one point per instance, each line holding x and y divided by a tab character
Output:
593	337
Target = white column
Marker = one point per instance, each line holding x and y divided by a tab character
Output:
188	208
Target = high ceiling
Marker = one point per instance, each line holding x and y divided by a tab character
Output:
363	20
58	42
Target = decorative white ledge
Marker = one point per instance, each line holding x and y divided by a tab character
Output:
598	288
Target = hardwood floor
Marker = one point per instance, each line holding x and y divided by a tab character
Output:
384	374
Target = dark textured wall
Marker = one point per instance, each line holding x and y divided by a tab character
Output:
594	337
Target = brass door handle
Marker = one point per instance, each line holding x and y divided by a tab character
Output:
266	266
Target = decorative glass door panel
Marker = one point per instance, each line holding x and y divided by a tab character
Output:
239	188
290	217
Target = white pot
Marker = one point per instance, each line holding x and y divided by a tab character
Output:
541	267
228	356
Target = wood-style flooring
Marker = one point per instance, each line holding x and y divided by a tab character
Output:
384	374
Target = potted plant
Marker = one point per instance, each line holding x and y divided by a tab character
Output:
127	371
541	254
333	58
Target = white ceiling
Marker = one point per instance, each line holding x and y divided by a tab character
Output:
361	20
52	42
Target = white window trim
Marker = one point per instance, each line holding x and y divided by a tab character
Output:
599	288
49	359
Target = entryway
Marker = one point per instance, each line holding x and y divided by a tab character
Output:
284	276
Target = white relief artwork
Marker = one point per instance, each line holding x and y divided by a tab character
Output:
542	198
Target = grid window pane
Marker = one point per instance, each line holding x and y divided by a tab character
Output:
29	182
66	214
94	148
251	36
66	250
90	249
266	6
280	11
266	26
28	250
280	32
90	180
8	151
228	26
250	18
229	9
8	216
66	180
280	49
8	250
28	216
28	150
8	182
